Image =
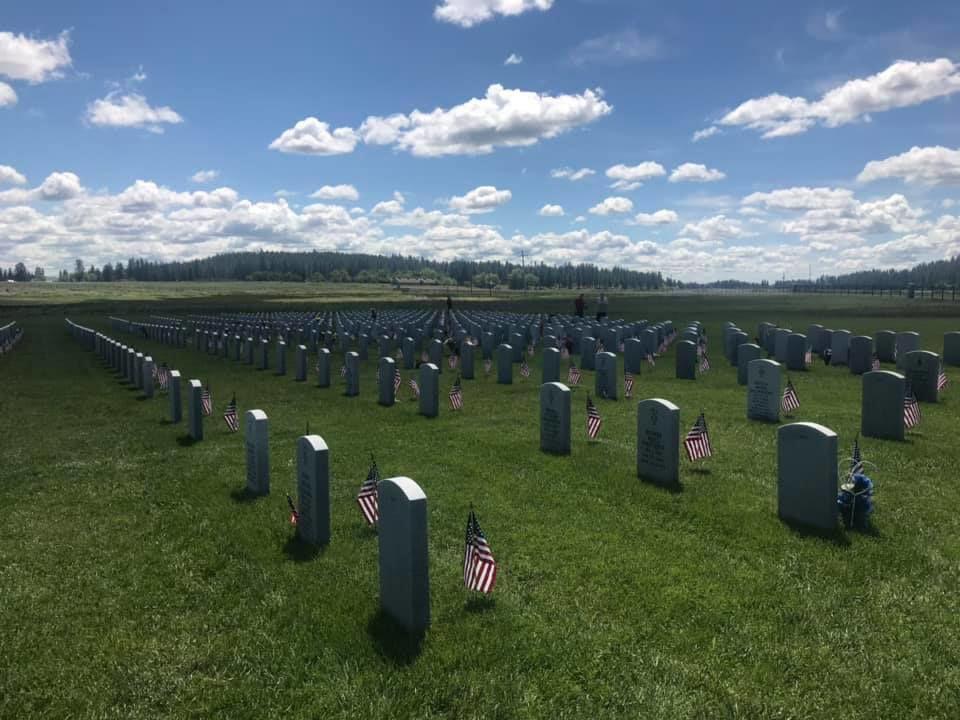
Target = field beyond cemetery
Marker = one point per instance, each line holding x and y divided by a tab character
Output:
138	581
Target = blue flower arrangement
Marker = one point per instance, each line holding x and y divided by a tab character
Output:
855	502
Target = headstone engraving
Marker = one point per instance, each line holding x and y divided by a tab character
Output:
763	390
605	377
555	418
922	370
658	442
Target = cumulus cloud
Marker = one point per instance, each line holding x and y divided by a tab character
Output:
630	177
32	60
514	59
903	84
801	198
483	199
204	176
57	186
467	13
837	224
694	172
714	229
708	132
571	174
7	95
612	205
660	217
312	137
927	165
616	48
390	207
502	118
10	176
337	192
130	110
551	211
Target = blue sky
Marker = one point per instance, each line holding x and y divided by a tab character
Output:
706	140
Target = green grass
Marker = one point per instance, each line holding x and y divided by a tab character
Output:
135	582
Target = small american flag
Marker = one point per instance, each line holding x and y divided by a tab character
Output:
697	441
343	371
875	363
487	364
808	357
163	377
651	360
456	395
367	497
397	380
594	421
704	363
942	380
479	567
789	401
856	461
414	387
452	362
206	401
598	348
573	375
230	415
628	385
911	409
524	368
294	515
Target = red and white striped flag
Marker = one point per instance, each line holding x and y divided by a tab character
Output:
942	380
414	387
911	409
397	380
594	421
789	401
875	363
628	385
573	375
456	395
230	415
704	364
808	357
479	567
367	497
206	401
697	441
524	368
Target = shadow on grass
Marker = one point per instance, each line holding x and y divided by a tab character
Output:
672	488
244	495
185	441
480	604
701	471
365	532
393	641
836	536
166	421
298	550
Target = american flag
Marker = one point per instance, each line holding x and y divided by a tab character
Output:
479	567
594	421
621	348
452	362
704	363
573	375
598	348
856	461
808	357
456	395
343	371
911	409
414	387
294	515
524	368
397	380
651	360
206	401
230	415
367	497
487	364
697	441
789	401
628	385
875	363
163	377
942	380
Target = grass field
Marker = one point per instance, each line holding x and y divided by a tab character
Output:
136	581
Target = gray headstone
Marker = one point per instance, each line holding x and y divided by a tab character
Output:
517	344
658	442
951	348
632	355
281	357
746	353
194	410
588	352
467	358
807	475
796	351
323	367
922	370
881	405
258	452
138	370
173	389
264	354
551	365
555	418
404	569
686	360
780	336
385	393
301	363
763	390
504	365
429	382
860	359
813	337
486	345
148	376
906	342
738	338
352	361
840	347
885	344
248	350
313	490
435	354
408	349
605	377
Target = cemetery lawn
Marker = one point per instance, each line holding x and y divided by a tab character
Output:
138	581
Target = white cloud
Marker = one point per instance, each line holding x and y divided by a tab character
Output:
845	224
903	84
714	229
694	172
612	205
551	211
467	13
483	199
630	177
802	198
337	192
57	186
660	217
708	132
616	48
571	174
10	176
133	110
514	59
948	203
928	165
312	137
35	61
580	219
7	95
204	176
825	24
